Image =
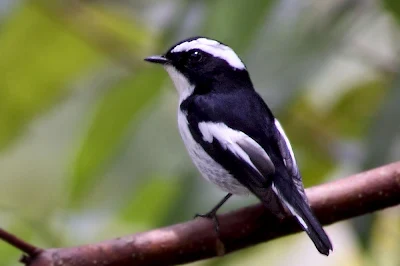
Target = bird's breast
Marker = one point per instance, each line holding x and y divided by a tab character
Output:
208	167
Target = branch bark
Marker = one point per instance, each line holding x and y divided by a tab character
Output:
20	244
195	240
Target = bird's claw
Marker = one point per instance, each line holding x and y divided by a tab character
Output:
212	216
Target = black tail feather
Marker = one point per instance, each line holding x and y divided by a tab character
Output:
315	231
297	204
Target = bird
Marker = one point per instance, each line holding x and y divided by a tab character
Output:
231	134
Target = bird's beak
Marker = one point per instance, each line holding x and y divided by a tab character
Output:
158	59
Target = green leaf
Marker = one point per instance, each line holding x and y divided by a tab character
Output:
152	201
393	6
385	243
119	36
305	128
384	131
313	132
235	22
9	254
43	50
114	115
352	114
38	59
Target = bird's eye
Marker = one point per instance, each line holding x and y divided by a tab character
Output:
195	56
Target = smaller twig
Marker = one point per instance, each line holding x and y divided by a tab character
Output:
20	244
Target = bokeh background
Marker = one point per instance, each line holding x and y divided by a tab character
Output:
89	147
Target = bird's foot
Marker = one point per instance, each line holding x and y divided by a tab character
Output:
212	215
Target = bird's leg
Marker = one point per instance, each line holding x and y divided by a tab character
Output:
213	213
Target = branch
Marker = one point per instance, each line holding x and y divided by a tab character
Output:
195	240
20	244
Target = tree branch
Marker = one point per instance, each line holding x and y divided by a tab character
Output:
20	244
195	240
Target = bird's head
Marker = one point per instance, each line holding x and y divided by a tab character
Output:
200	65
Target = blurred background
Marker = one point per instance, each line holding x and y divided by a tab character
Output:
89	146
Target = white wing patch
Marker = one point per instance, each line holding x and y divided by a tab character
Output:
212	47
208	167
288	159
230	139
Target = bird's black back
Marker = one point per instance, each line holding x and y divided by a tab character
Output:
221	112
251	116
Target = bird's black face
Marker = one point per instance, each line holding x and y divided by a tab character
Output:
199	66
202	63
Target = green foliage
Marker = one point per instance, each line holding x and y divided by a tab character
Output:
305	128
151	203
393	6
313	132
129	35
383	132
8	253
113	116
47	46
351	115
236	22
385	247
35	71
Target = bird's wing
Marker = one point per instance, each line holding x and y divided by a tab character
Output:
228	134
234	150
239	144
286	150
243	138
290	190
288	157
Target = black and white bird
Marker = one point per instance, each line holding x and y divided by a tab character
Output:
230	133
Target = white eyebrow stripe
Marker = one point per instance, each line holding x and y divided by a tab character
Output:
212	47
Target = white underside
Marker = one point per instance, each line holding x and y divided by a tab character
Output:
209	169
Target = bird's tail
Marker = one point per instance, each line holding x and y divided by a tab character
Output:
298	206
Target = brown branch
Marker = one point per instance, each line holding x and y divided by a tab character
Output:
195	240
20	244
